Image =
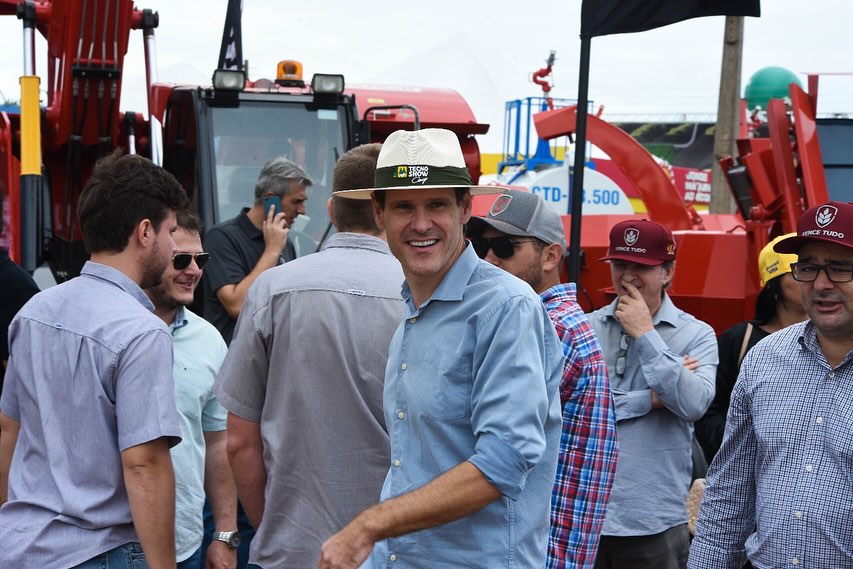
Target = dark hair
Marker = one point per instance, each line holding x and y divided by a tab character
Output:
279	176
189	222
125	189
768	300
355	170
460	195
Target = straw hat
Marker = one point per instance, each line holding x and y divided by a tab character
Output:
427	159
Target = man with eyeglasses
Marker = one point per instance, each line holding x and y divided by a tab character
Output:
779	492
200	460
662	366
525	237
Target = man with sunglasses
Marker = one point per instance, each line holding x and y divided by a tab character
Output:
662	367
525	237
779	492
200	460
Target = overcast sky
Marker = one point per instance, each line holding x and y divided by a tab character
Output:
486	50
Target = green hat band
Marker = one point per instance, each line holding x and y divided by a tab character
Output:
415	175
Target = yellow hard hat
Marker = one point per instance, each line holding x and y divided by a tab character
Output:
772	264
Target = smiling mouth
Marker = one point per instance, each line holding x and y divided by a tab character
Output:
425	243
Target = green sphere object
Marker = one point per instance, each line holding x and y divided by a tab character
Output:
768	83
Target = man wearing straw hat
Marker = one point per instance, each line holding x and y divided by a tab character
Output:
471	385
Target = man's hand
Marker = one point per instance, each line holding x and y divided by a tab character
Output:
275	232
220	556
347	549
633	313
692	364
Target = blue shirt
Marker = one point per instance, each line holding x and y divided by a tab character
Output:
780	491
473	374
653	470
90	375
198	350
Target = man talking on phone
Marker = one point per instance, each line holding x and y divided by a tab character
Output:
255	240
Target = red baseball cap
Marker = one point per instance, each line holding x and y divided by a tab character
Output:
640	241
831	222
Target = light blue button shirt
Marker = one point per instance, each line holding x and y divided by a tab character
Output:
473	374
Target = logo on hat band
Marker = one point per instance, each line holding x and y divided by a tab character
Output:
825	215
419	175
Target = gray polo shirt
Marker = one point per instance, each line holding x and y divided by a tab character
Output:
90	375
308	363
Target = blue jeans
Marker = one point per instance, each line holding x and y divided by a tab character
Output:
192	562
127	556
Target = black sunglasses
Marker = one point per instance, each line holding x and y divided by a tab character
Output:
503	246
182	260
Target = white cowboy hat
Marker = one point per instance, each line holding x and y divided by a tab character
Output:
427	159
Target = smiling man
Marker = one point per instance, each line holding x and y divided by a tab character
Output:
200	460
471	387
779	491
658	394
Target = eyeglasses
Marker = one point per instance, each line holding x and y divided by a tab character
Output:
624	343
503	246
808	272
182	260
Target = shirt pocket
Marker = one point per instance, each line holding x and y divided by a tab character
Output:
443	391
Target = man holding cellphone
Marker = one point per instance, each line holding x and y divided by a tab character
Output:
255	240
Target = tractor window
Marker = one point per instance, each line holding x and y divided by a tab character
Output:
246	138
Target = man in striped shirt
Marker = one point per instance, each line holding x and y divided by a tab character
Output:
525	237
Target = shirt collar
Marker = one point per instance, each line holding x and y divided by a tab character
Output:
349	240
247	226
567	291
180	320
119	279
452	286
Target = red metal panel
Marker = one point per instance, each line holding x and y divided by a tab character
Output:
662	199
808	147
783	162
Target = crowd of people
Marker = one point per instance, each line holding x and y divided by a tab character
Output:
423	392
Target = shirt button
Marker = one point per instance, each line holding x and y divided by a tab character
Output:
798	514
832	375
819	420
413	320
795	561
392	557
397	462
404	366
809	468
401	415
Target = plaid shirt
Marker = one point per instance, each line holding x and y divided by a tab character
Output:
779	491
587	459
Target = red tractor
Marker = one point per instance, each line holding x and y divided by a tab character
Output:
214	139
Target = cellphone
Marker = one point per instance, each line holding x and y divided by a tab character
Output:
271	200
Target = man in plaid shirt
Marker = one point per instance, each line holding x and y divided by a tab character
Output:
525	237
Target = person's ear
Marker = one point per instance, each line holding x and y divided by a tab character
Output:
552	255
377	212
144	232
331	211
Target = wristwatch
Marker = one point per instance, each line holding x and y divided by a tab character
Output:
229	538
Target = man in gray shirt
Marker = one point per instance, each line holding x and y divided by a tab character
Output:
303	382
88	410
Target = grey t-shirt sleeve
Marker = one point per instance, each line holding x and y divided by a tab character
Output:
145	391
242	381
